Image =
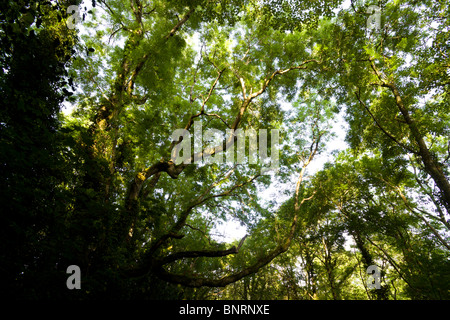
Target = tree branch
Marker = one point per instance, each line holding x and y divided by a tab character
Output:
381	128
432	167
174	170
247	100
179	24
261	262
199	253
200	282
411	209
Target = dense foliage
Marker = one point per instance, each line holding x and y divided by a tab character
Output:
89	105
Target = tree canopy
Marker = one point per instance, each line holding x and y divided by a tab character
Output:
346	102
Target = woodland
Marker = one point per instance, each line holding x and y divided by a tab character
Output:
91	93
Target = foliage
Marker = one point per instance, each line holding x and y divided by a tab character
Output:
100	187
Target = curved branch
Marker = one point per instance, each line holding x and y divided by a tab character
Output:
200	253
261	262
201	282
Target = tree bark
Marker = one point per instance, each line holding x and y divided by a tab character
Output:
432	167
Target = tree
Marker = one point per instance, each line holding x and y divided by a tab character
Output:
121	196
386	79
36	50
132	185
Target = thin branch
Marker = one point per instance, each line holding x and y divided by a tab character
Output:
220	72
244	90
219	117
114	32
430	194
200	253
229	191
381	128
201	231
179	24
392	262
405	201
202	110
185	214
191	99
247	100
